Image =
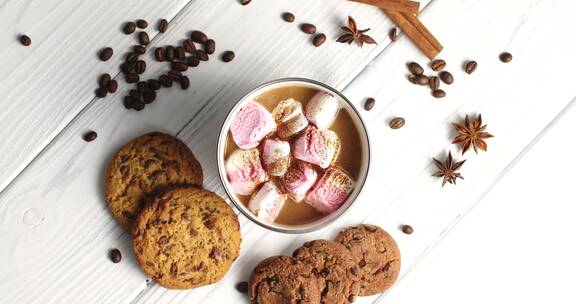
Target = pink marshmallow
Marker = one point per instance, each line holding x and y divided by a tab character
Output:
245	172
251	125
299	178
267	203
331	191
317	146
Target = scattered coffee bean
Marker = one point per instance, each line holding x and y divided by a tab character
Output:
179	53
126	67
412	78
184	82
439	93
159	54
369	104
132	78
112	86
132	57
201	55
25	40
101	92
434	83
135	94
106	53
129	28
165	81
163	26
242	287
210	46
175	75
104	79
189	46
154	84
199	37
228	56
138	105
438	65
142	86
128	102
141	23
446	77
179	66
148	96
90	136
288	17
308	28
170	52
143	38
319	40
407	229
351	298
140	67
505	57
138	49
397	123
245	2
415	68
470	67
422	80
192	61
393	34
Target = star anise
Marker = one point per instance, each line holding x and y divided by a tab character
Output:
352	33
447	170
471	134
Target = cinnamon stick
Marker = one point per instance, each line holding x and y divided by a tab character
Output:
417	32
404	6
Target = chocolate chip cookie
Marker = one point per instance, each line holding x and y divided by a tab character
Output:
332	263
186	238
375	253
144	167
283	280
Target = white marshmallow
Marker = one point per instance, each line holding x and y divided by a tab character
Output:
322	109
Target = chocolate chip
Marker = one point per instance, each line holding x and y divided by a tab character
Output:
362	263
115	255
351	298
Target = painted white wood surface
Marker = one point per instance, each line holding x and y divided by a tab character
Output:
53	222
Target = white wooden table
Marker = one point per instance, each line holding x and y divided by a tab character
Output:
55	230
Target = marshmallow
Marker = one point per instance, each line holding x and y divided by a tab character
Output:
251	125
331	191
317	146
275	156
245	172
321	110
299	178
289	117
267	203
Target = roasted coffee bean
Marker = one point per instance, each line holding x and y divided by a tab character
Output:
104	80
199	37
141	23
245	2
25	40
369	104
407	229
129	28
242	287
393	34
470	67
319	40
132	57
192	61
132	78
175	75
135	94
106	53
101	92
128	102
446	77
434	83
397	123
142	86
90	136
139	49
165	81
159	54
189	46
170	52
505	57
154	84
412	78
438	65
422	80
415	68
112	86
184	82
228	56
439	93
179	53
140	66
163	26
179	66
201	55
138	105
308	28
288	17
148	96
143	38
210	46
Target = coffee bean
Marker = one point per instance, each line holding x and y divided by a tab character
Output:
140	66
470	67
112	86
135	94
132	78
438	65
422	80
201	55
138	49
184	82
138	105
228	56
412	78
210	46
141	24
415	68
351	298
143	38
192	61
319	40
505	57
446	77
159	54
308	28
179	66
132	57
163	26
128	102
393	34
148	96
288	17
439	93
397	123
129	28
154	84
101	92
434	83
126	67
142	86
170	52
90	136
25	40
369	104
407	229
106	53
189	46
165	81
175	75
245	2
242	287
199	37
104	79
